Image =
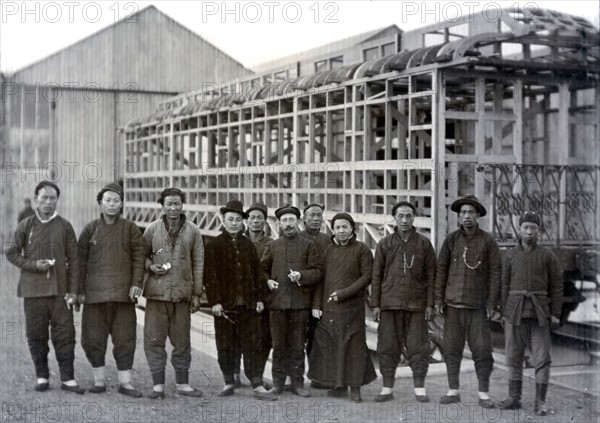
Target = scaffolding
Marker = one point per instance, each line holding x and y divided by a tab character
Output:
471	114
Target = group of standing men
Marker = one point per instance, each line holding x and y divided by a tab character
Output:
303	291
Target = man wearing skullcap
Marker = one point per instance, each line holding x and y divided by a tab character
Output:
111	279
174	252
402	300
531	297
466	291
292	269
44	247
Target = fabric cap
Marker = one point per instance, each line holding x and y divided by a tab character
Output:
403	203
343	216
234	206
530	216
287	209
471	200
308	206
110	187
171	191
258	206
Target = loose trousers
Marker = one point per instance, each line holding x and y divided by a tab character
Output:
116	319
288	333
528	334
39	312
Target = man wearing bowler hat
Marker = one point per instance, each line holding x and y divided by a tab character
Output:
292	269
466	291
531	295
235	291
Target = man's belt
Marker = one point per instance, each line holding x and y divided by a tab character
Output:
533	295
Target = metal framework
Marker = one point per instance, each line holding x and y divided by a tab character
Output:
424	125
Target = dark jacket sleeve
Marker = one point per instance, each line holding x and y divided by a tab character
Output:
366	272
259	287
317	303
506	280
198	262
15	247
495	273
84	250
429	271
266	262
555	290
73	262
441	277
377	275
210	277
312	274
136	247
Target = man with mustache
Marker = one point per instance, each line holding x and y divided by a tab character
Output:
532	291
292	269
467	288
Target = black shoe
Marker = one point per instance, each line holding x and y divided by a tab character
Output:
226	392
156	394
41	387
267	386
97	389
486	403
301	392
75	389
422	398
450	399
265	396
194	393
384	397
338	392
133	393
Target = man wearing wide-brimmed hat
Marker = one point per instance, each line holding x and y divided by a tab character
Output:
235	291
174	252
111	279
292	269
466	291
532	291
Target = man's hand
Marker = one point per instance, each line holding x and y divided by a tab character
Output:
295	276
316	313
217	310
260	307
71	300
333	297
195	304
439	308
376	314
134	292
157	269
272	284
81	298
429	313
42	265
554	323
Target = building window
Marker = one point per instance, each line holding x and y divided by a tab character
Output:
320	66
336	62
370	53
388	49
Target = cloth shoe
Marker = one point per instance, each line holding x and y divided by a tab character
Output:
384	397
450	399
133	393
301	392
76	389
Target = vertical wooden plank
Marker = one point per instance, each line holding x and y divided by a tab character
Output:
564	99
479	135
439	226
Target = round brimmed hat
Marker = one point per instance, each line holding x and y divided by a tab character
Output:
287	209
258	206
343	216
234	206
471	200
114	187
530	216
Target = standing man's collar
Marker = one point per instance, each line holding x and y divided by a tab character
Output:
37	214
